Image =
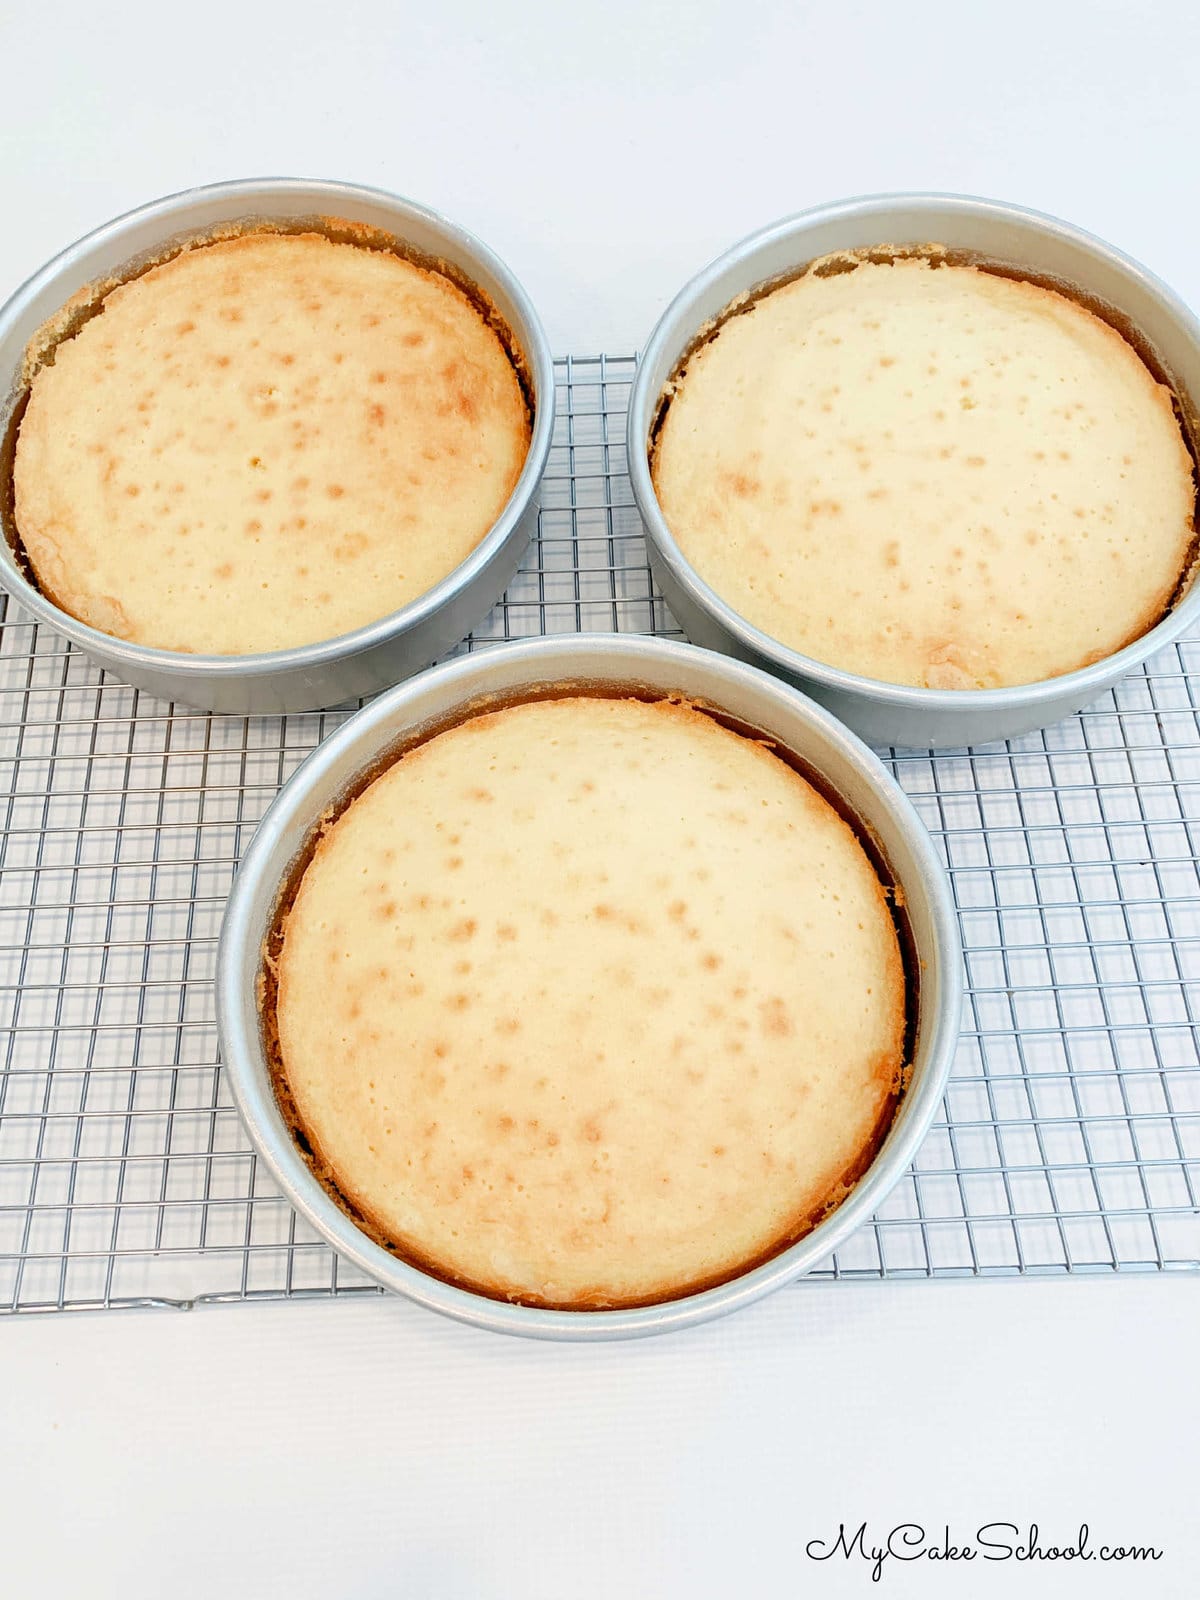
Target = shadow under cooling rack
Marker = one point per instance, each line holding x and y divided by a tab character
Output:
1070	1135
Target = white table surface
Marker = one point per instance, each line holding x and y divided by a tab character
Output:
606	151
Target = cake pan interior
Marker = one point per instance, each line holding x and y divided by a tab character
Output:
378	654
1015	240
611	664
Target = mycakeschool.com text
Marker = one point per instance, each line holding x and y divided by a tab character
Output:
994	1541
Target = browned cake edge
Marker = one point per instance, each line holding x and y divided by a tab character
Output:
937	255
359	1211
89	301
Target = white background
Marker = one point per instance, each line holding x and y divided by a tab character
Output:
353	1450
606	151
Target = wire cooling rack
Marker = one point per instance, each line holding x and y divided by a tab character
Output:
1070	1135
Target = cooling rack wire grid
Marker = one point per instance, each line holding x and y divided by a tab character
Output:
1069	1140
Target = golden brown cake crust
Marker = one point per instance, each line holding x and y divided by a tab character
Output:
928	474
264	442
555	1060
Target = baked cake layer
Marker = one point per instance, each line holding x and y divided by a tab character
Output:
266	442
590	1002
930	475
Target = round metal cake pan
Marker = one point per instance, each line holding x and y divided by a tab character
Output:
1002	235
610	664
369	658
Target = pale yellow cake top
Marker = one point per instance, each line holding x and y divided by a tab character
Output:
266	442
929	475
588	1002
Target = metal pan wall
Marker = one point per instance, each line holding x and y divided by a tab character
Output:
1026	241
746	694
385	651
